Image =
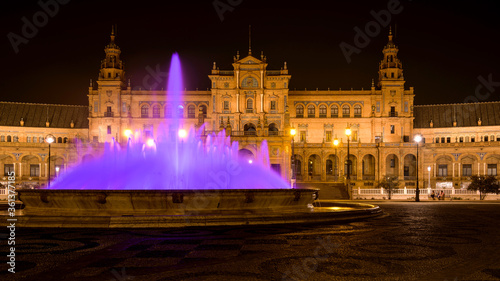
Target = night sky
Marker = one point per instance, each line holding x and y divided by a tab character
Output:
444	47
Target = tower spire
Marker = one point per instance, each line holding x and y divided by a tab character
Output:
249	40
390	33
112	34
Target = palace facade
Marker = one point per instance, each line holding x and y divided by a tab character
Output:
254	104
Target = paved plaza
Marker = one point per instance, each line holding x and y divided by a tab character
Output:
411	241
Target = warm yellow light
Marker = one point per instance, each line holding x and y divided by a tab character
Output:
418	138
293	132
150	142
182	133
50	139
335	142
429	168
348	131
127	133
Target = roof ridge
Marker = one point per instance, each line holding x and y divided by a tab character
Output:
464	103
49	104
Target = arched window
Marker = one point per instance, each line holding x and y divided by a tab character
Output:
311	111
357	110
299	111
329	167
156	111
322	111
168	111
59	140
335	111
249	129
9	139
144	111
16	139
191	110
273	130
65	140
180	111
346	111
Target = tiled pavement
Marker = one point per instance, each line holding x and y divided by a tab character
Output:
413	241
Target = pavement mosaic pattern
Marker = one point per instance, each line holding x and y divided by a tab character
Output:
412	241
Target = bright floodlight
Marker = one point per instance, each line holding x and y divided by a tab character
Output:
127	133
293	132
150	142
348	131
250	161
50	139
57	169
182	133
429	168
418	138
335	141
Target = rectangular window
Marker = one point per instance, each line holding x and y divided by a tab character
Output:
328	136
492	169
226	105
322	112
393	129
467	170
273	105
96	107
442	140
335	111
34	170
437	140
109	130
40	140
442	170
108	109
156	112
8	169
473	139
2	138
28	139
303	136
485	138
406	138
448	140
461	139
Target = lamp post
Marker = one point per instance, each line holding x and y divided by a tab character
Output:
417	139
293	132
335	166
429	169
49	139
348	176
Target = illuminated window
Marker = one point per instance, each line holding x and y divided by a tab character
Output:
335	111
357	110
311	111
467	170
299	111
273	105
492	169
191	111
322	111
8	169
34	170
145	111
443	170
346	111
28	139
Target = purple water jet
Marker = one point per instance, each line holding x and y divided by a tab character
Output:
173	161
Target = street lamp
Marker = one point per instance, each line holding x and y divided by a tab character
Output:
49	139
429	169
348	177
335	166
293	132
417	139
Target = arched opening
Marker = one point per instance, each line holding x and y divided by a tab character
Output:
31	167
468	164
9	139
273	130
180	111
246	155
314	167
322	111
65	140
353	166
391	165
59	140
410	167
332	167
311	111
249	129
357	110
298	166
168	111
334	111
7	163
368	168
346	111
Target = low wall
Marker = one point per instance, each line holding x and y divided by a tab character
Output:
407	194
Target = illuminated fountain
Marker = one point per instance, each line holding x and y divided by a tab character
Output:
176	179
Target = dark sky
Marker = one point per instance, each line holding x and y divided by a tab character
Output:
444	47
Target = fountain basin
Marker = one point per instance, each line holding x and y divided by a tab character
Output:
164	202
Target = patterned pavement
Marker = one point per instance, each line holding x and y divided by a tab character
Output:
412	241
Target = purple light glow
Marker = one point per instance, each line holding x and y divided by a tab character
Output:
174	160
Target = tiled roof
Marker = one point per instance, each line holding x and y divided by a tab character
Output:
35	115
466	114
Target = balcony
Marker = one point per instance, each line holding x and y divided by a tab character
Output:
249	111
109	114
368	177
393	114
